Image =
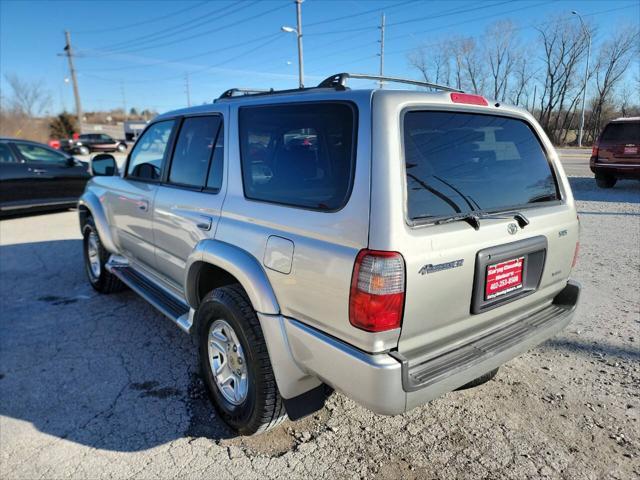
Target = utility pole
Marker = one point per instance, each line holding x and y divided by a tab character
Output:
586	76
69	53
299	32
187	89
124	99
382	49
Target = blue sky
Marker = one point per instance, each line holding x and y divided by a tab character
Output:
144	49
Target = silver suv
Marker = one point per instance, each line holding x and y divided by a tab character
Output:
393	245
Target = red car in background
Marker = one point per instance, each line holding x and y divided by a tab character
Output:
616	152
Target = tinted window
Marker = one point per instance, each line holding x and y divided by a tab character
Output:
6	156
34	153
459	162
104	137
214	181
622	132
193	151
299	155
149	151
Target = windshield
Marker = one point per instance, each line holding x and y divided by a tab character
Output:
457	163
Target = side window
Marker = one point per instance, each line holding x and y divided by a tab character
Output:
148	153
300	155
194	149
214	180
6	156
34	153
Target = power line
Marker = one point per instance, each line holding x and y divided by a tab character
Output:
360	14
137	24
216	29
177	29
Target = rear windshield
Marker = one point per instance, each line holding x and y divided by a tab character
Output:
627	132
457	163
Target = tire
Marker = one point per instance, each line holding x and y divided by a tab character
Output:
605	181
95	258
482	379
261	407
84	150
121	148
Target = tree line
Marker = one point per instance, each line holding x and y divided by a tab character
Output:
545	76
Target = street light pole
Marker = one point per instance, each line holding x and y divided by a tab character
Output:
298	32
586	75
382	22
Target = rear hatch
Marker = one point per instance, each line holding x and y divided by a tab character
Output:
489	236
620	143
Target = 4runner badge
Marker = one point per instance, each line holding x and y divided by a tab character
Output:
440	266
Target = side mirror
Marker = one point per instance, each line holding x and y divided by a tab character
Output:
103	165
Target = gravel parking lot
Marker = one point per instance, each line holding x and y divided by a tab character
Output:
96	386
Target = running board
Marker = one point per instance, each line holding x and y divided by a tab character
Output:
176	310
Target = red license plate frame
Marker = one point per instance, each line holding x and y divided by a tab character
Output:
504	277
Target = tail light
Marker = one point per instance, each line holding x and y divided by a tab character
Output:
575	255
594	150
469	99
376	302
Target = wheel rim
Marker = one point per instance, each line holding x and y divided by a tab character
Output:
228	363
121	148
93	254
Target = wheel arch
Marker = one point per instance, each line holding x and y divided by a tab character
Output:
89	205
213	264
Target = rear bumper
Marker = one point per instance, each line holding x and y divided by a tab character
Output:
391	383
618	169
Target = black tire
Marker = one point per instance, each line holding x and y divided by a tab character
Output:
263	408
482	379
605	181
103	282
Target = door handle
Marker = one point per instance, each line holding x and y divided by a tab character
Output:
143	205
37	171
204	223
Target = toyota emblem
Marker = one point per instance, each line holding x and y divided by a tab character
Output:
512	228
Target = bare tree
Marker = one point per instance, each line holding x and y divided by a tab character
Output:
433	63
28	98
613	60
501	55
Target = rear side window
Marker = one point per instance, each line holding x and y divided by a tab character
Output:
457	163
622	132
300	155
5	154
193	151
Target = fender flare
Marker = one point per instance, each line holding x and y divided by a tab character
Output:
239	263
90	201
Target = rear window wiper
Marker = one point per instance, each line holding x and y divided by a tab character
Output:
473	218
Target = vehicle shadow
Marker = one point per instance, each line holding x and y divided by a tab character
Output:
106	371
593	349
585	188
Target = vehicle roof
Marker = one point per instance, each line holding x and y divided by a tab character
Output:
440	99
625	119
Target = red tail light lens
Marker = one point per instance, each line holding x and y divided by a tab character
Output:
469	99
575	255
594	150
376	302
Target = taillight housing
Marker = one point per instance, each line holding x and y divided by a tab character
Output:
376	301
594	150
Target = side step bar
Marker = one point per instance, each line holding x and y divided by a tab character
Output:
176	310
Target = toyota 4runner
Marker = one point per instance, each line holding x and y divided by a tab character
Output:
392	245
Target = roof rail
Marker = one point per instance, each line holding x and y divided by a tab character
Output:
339	81
240	92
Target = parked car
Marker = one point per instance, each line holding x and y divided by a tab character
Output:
34	176
87	143
392	245
616	152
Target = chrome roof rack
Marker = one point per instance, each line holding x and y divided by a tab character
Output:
339	81
241	92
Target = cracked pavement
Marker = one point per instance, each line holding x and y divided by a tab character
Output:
95	386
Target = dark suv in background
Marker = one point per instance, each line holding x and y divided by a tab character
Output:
101	142
616	152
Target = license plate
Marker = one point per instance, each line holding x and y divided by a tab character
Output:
630	150
503	277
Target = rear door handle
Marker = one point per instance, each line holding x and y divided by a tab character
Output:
38	171
204	223
143	205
